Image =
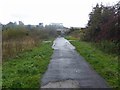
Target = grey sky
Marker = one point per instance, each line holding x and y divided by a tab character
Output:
68	12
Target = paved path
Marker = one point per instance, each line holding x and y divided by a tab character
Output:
68	69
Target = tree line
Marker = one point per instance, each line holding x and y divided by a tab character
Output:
103	27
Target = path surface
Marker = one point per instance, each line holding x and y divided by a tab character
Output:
68	69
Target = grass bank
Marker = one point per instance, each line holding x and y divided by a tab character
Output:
27	68
105	64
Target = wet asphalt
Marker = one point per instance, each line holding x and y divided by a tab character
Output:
66	65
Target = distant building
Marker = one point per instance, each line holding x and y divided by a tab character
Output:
57	25
21	23
40	24
62	31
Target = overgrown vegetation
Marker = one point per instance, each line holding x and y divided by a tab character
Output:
103	27
18	38
106	65
27	68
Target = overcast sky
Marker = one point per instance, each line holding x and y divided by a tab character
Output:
69	12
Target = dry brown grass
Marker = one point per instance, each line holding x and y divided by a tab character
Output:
11	47
18	39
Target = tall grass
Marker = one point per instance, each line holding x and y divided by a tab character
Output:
15	41
19	38
12	47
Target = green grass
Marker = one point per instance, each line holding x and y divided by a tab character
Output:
26	70
105	64
71	38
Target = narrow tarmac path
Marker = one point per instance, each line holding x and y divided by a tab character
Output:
67	69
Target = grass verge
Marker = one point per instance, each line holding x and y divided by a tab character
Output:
71	38
105	64
26	70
